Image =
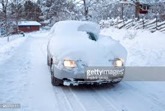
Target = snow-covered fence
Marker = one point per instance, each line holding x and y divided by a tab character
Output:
152	25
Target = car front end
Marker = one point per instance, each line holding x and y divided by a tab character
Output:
77	72
78	54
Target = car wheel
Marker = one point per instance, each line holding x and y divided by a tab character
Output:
48	63
55	81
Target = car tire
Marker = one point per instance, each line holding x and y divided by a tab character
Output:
48	63
55	81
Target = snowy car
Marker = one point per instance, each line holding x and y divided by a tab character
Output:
75	46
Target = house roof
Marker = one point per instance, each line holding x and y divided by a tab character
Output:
28	23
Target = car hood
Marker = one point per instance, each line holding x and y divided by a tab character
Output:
94	53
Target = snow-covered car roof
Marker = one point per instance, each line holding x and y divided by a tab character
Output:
70	27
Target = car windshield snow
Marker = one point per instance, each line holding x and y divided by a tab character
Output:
92	36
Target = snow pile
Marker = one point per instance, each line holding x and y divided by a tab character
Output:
72	42
144	48
8	49
3	40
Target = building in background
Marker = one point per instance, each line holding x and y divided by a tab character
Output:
29	26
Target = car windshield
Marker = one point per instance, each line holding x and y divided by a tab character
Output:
92	36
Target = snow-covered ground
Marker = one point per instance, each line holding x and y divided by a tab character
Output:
25	77
144	48
7	49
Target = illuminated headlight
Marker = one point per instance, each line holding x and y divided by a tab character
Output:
118	62
69	63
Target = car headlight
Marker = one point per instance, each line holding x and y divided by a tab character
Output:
70	63
118	62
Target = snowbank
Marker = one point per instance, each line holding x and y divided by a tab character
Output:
144	48
7	49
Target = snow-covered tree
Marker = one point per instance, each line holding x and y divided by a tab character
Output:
31	11
55	10
4	5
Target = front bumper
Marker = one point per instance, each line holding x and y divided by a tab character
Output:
65	74
76	82
72	77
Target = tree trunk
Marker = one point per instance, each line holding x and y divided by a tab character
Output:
137	7
85	10
122	11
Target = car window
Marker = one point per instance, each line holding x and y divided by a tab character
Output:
92	36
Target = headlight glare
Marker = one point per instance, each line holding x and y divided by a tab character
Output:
118	62
70	63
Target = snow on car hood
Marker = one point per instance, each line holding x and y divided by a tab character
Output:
70	27
93	53
76	45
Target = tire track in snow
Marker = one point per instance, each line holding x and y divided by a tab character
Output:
87	98
106	93
75	103
62	100
105	102
40	93
150	97
136	101
104	98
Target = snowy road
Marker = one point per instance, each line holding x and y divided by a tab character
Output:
25	79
